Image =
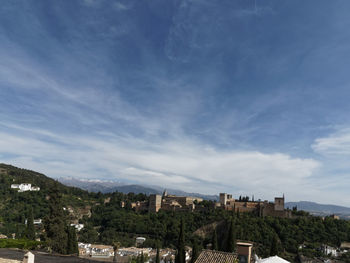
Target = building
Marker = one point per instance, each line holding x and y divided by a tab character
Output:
328	250
78	227
274	259
38	221
140	206
155	203
244	251
212	256
140	240
25	187
172	202
334	217
262	208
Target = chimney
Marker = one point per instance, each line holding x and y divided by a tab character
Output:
244	251
28	258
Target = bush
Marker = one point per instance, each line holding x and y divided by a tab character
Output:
20	243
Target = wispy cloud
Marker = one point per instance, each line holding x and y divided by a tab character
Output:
336	144
184	164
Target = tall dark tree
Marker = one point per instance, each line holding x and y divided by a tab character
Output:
231	238
30	230
195	251
72	245
181	254
214	241
18	233
55	223
157	255
274	246
142	259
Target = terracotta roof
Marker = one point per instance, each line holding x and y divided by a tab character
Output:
212	256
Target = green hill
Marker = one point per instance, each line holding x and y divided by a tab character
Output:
14	205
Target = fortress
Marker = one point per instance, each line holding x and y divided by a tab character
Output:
172	202
188	203
262	208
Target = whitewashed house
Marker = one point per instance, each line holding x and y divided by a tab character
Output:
25	187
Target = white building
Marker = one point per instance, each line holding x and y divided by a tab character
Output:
78	226
140	240
38	221
274	259
328	250
25	187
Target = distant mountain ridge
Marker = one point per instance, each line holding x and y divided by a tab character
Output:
103	186
320	209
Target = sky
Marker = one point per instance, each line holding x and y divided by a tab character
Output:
238	96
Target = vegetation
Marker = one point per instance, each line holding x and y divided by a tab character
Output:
231	238
214	241
30	231
109	221
180	255
20	243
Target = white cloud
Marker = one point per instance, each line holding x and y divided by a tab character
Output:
336	144
183	164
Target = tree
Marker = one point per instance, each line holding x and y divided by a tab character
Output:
231	239
195	251
214	241
157	255
30	230
274	246
142	259
116	246
181	254
55	222
72	245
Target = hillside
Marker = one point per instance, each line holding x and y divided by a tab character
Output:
320	209
14	205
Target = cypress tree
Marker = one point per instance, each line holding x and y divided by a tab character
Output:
231	239
55	222
157	255
18	233
30	230
214	241
142	259
181	254
72	245
195	251
274	246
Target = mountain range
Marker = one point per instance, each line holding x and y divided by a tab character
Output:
320	209
104	186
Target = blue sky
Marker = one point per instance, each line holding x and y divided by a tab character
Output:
242	96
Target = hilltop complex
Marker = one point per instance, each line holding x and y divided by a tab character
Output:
262	208
188	203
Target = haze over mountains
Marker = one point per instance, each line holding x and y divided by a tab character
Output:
105	186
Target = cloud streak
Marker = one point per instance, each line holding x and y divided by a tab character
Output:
198	95
181	164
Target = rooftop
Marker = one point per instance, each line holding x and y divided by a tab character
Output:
212	256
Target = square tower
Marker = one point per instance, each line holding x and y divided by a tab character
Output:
155	203
279	203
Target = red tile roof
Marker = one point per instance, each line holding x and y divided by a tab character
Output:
212	256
